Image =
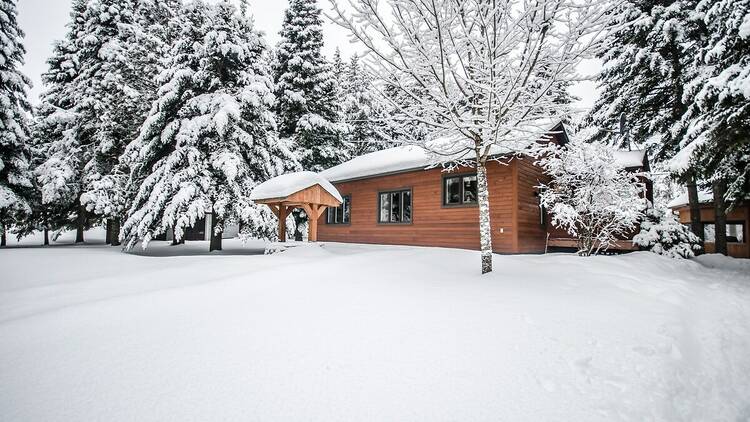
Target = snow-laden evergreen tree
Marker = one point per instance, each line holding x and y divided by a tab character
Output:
590	196
125	85
210	135
477	74
717	121
306	101
649	49
76	115
362	113
15	176
662	234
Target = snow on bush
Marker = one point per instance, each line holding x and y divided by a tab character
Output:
662	234
590	196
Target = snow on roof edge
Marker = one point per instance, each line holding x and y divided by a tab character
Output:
290	183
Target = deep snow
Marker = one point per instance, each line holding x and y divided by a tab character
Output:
353	332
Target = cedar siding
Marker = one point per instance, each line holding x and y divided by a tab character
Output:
514	211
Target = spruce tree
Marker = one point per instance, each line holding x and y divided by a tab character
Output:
210	135
306	95
128	89
306	89
643	81
718	118
15	177
362	113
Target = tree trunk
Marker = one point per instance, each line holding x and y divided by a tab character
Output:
46	236
108	231
720	219
215	242
114	233
3	236
174	239
485	228
695	211
80	223
299	220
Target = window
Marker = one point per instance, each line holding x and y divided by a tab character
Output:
340	214
460	190
735	232
394	207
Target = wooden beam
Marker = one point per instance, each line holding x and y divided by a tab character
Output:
274	209
282	223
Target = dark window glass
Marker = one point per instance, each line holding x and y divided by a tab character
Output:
395	207
340	214
470	189
407	206
460	190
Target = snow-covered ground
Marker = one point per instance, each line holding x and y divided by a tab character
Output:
353	333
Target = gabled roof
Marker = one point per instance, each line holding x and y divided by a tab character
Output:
291	183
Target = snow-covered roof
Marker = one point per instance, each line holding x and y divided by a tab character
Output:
411	157
630	159
290	183
408	157
703	197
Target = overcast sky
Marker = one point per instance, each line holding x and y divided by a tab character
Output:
44	22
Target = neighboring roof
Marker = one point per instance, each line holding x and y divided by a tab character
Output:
630	159
682	200
291	183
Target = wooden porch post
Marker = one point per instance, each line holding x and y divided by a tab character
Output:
312	236
282	222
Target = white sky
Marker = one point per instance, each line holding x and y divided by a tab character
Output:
44	22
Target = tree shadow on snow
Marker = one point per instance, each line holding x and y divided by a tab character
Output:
159	249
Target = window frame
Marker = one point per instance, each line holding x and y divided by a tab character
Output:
736	222
328	211
461	177
378	205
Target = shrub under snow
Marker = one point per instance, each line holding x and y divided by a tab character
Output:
662	234
590	195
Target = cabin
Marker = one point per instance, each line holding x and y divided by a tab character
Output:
395	197
738	221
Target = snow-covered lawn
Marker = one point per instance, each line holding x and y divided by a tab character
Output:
353	333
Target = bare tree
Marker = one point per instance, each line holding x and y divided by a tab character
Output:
482	75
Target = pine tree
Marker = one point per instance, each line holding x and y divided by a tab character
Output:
643	82
718	118
306	90
210	135
306	95
361	112
15	177
127	91
78	114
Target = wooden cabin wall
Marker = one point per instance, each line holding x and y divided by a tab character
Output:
514	211
740	213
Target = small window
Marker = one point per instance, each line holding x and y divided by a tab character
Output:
340	214
460	190
735	232
394	207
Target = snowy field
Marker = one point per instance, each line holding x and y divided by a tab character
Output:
369	333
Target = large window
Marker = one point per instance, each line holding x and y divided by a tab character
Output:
460	190
735	232
394	207
340	214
